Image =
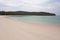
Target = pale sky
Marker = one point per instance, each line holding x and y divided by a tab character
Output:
52	6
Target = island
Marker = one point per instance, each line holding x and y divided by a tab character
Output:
26	13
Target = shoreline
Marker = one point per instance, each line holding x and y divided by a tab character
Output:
31	22
11	29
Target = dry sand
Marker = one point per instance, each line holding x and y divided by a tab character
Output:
19	30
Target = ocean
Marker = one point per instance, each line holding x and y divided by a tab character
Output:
39	19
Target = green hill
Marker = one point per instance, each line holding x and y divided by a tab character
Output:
26	13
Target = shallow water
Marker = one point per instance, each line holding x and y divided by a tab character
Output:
47	19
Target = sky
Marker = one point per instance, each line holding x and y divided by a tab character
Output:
52	6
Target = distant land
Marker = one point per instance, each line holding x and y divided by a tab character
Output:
26	13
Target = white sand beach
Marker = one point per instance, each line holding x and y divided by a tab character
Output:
18	30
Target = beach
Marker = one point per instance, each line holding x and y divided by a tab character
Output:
11	29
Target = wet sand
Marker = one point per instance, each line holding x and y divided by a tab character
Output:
18	30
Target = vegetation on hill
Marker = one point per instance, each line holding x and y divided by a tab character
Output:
26	13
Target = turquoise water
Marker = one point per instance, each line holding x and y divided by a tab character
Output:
47	19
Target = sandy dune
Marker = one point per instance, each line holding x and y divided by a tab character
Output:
19	30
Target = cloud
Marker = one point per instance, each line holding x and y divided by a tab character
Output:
56	6
31	5
12	3
15	3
